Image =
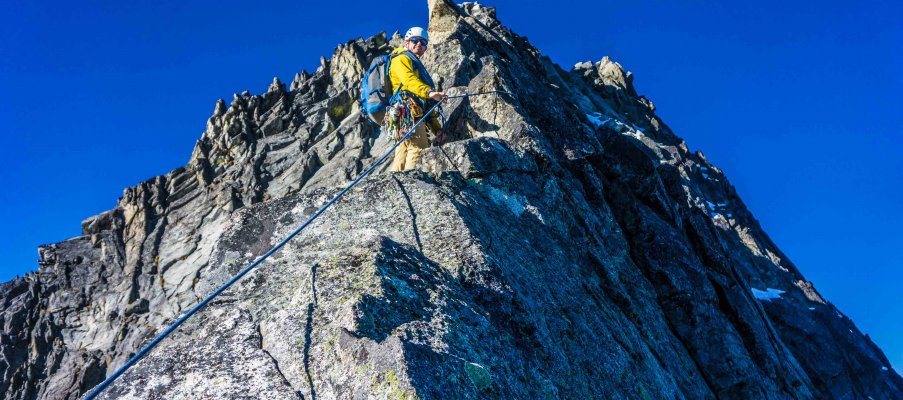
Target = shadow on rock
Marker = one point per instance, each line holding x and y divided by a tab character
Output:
465	123
407	279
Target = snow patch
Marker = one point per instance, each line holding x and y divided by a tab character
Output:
596	120
884	368
713	209
768	294
812	308
632	129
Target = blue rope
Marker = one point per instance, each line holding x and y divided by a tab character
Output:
147	348
480	93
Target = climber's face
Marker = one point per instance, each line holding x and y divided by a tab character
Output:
416	45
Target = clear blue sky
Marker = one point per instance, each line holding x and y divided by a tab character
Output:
799	103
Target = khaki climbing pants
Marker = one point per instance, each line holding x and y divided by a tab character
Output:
408	152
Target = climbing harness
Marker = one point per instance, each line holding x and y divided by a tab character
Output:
147	348
401	115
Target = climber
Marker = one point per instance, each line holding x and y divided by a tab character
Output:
412	87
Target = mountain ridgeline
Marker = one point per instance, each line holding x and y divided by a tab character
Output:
564	244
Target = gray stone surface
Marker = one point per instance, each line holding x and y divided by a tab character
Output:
564	244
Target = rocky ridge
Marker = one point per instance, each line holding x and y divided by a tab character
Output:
566	244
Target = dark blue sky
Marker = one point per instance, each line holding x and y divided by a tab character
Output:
799	103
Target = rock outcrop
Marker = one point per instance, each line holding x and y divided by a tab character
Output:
565	244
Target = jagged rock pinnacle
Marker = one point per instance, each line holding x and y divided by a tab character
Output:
296	82
220	108
444	17
276	87
564	244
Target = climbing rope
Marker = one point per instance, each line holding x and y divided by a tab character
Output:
147	348
480	93
442	111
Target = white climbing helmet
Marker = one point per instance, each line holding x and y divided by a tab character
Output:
416	32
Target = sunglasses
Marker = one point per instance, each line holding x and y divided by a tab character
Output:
417	41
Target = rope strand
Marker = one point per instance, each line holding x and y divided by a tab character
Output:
147	348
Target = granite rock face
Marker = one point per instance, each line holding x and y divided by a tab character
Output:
565	244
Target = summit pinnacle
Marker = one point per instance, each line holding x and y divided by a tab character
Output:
565	243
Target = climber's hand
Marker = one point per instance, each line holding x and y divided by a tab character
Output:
438	96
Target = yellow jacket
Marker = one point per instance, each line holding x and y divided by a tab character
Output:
403	74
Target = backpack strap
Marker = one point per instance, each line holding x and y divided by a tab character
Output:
421	70
396	95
